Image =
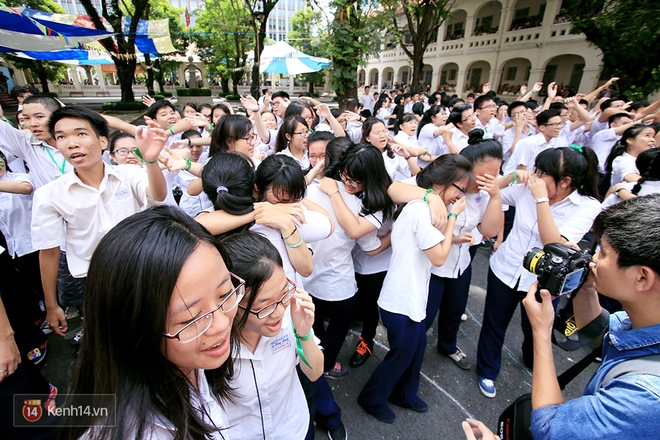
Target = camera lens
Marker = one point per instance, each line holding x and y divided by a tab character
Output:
532	259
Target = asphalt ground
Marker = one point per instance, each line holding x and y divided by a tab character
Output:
451	393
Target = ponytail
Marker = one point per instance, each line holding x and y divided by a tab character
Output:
428	117
621	147
648	166
578	163
228	181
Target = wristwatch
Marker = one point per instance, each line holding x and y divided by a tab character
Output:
542	200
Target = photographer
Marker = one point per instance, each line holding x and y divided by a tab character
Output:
626	268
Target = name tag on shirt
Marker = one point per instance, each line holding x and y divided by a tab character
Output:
122	194
280	344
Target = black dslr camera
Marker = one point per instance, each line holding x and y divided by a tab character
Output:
561	269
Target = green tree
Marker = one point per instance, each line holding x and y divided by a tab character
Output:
223	33
354	35
305	36
415	24
122	47
159	10
259	19
627	32
44	70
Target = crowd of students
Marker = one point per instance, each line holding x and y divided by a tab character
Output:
293	219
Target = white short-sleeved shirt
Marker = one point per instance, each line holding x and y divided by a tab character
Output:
435	145
458	258
459	139
597	126
46	163
267	147
316	228
573	216
68	211
268	392
15	163
159	428
492	130
602	144
333	278
15	217
526	151
622	166
367	102
648	187
367	265
304	162
406	287
397	167
508	137
192	205
567	137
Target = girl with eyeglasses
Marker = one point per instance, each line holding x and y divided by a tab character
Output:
416	247
292	140
159	308
556	203
450	283
354	192
233	186
399	163
274	321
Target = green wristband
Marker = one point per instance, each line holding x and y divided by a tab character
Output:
515	178
188	163
452	214
299	349
293	246
426	194
139	155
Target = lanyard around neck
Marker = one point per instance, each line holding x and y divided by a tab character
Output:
59	167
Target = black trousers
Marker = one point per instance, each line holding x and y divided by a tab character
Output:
339	315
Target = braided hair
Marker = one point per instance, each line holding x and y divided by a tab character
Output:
649	167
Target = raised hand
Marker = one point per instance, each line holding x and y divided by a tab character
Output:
148	100
328	186
489	184
150	139
486	88
302	312
538	86
323	111
249	103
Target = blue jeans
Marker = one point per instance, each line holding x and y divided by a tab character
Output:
397	377
501	303
449	295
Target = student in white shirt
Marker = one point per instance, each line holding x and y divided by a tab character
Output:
37	149
416	247
486	109
464	119
354	192
521	129
383	108
549	125
556	204
292	140
192	205
648	163
620	164
316	145
399	163
367	100
430	131
407	138
274	321
160	275
483	216
79	208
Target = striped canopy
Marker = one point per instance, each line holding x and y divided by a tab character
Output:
284	59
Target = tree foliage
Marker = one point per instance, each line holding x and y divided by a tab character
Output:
628	34
415	24
305	36
354	35
259	27
224	34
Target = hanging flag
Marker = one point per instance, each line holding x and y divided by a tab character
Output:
187	15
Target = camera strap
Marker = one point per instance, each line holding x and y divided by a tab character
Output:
569	338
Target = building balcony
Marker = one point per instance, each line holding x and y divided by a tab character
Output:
480	32
526	22
455	36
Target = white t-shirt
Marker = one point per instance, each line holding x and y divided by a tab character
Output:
602	144
68	211
492	130
269	397
192	205
316	228
458	258
573	216
46	163
15	217
622	166
406	287
526	151
333	278
567	137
